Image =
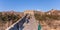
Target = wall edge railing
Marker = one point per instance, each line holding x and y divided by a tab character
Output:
14	23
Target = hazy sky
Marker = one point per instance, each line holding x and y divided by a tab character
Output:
21	5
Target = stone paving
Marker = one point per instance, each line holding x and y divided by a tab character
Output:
32	25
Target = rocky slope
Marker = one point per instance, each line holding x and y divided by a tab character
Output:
49	20
8	18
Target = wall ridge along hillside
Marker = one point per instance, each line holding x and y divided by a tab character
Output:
14	23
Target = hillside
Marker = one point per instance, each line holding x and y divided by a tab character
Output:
8	18
49	20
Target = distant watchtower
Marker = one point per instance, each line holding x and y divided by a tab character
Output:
30	12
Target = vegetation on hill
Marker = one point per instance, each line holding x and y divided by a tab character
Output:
46	17
7	17
39	17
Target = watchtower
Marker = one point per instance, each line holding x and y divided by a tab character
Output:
30	12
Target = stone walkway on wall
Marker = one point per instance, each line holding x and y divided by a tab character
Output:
32	25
